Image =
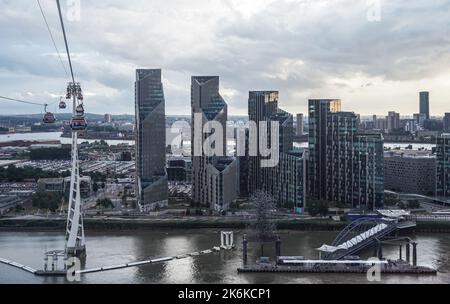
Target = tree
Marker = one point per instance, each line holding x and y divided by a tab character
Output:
46	200
104	203
125	197
317	207
262	227
95	187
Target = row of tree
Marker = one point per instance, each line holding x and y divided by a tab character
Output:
14	174
47	200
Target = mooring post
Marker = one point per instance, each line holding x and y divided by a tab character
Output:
414	254
244	250
380	251
407	252
400	253
278	246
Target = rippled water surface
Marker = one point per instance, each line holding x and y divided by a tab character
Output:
113	248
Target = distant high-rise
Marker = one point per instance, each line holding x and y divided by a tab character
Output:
215	179
151	177
299	124
447	122
443	166
108	118
425	104
420	118
393	121
345	165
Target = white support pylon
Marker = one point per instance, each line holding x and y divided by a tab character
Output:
75	243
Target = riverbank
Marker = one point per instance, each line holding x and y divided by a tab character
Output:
191	223
167	223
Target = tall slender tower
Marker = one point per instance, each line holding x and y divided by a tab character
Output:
75	243
319	112
425	104
261	106
151	176
299	129
214	177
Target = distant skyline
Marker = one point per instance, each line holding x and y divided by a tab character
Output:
304	49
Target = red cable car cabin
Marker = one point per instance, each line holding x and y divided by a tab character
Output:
78	123
49	118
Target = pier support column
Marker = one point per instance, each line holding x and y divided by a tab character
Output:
407	252
278	247
244	250
414	254
45	263
400	253
227	239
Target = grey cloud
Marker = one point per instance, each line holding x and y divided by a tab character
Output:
297	47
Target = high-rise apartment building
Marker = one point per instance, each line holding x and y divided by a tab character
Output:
393	121
447	122
299	124
443	166
261	106
345	165
151	177
285	180
215	178
108	118
424	105
319	112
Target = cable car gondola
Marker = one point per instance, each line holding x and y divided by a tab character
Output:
78	123
79	110
62	104
49	118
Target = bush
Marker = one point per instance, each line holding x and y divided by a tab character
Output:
44	200
105	203
317	207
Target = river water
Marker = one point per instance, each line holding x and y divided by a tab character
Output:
113	248
170	138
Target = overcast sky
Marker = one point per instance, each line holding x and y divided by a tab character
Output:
375	61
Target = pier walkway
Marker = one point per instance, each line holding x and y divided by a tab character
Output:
18	265
361	234
227	243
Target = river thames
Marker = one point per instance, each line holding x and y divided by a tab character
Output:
170	137
112	248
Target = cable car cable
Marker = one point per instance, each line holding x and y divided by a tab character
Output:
65	39
23	101
53	39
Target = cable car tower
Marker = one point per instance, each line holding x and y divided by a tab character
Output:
75	243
